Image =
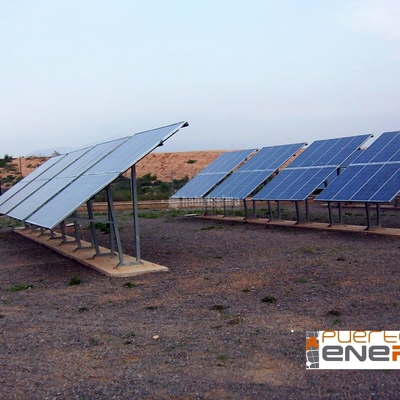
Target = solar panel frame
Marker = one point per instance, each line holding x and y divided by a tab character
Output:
213	174
244	181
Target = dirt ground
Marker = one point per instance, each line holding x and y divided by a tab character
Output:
201	330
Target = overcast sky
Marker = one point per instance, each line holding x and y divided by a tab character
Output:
243	73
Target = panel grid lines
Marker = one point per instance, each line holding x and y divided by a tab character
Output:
373	177
213	174
310	169
243	182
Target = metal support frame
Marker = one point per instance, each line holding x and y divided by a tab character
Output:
297	211
254	208
378	214
368	213
114	232
278	205
76	230
245	208
135	212
224	205
340	213
330	214
93	236
307	209
269	210
368	216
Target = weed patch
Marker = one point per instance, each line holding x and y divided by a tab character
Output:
75	280
17	288
269	299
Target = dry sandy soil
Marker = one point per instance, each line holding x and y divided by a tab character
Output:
199	331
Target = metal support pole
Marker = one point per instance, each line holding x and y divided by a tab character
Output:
245	209
114	224
135	212
254	209
297	211
378	214
330	214
232	207
93	234
110	218
368	216
52	235
63	234
269	210
76	230
307	210
224	204
340	212
278	204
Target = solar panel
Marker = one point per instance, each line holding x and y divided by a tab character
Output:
214	173
310	169
33	175
35	184
254	172
374	176
50	187
98	176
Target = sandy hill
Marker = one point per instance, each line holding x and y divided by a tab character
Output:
163	165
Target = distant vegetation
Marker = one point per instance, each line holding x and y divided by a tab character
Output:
5	161
10	169
148	188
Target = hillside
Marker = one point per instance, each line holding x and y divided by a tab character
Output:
162	165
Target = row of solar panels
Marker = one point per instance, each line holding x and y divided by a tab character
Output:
58	187
371	175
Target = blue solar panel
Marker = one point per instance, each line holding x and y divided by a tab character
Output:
385	148
214	173
374	176
294	184
364	183
329	152
254	172
311	169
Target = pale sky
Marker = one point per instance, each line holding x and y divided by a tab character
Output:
244	74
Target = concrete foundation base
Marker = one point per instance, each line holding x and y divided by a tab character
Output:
106	264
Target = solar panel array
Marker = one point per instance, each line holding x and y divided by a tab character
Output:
254	172
374	176
214	173
63	183
310	169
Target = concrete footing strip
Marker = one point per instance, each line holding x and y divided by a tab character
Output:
106	264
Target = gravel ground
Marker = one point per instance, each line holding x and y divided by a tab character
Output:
199	331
